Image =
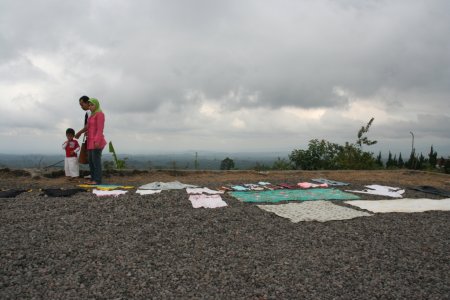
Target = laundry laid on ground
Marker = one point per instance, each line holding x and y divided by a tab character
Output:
432	190
61	192
402	205
239	188
329	182
206	201
105	187
293	195
321	211
381	190
173	185
308	185
148	192
204	190
103	193
12	193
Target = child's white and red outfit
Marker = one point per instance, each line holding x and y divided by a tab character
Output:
71	166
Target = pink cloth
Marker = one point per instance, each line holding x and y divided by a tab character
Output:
307	185
207	201
95	125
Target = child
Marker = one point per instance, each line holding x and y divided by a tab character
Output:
72	147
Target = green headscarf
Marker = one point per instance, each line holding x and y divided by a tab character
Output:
97	105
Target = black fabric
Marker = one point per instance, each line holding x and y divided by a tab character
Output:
10	193
432	190
61	192
85	119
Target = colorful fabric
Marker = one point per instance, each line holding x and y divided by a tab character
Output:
105	187
207	201
308	185
293	195
402	205
239	188
321	211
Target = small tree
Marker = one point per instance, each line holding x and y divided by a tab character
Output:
378	161
400	163
227	164
432	158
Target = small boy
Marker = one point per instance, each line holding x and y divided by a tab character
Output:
72	147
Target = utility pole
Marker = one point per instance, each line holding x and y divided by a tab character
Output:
412	145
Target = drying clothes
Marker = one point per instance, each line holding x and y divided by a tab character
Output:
207	201
321	211
253	187
105	187
402	205
263	183
293	195
381	190
61	192
308	185
288	186
115	193
174	185
148	192
239	188
432	190
202	191
11	193
329	182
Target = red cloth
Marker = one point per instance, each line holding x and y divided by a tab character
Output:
95	125
71	148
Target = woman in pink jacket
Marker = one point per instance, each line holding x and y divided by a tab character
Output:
96	140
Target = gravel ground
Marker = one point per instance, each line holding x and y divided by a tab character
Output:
158	246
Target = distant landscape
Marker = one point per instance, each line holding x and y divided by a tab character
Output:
186	160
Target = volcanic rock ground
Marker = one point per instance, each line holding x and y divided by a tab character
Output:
158	246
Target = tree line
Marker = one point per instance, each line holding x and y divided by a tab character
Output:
325	155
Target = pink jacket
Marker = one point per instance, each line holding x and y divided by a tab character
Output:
95	125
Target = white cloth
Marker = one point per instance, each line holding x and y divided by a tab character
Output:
204	190
102	193
207	201
173	185
381	190
71	167
402	205
321	211
147	192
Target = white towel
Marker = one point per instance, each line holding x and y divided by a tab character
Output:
381	190
202	191
148	192
114	193
402	205
207	201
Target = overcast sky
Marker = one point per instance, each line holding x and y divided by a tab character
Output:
247	75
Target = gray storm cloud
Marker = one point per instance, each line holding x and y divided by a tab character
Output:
199	66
